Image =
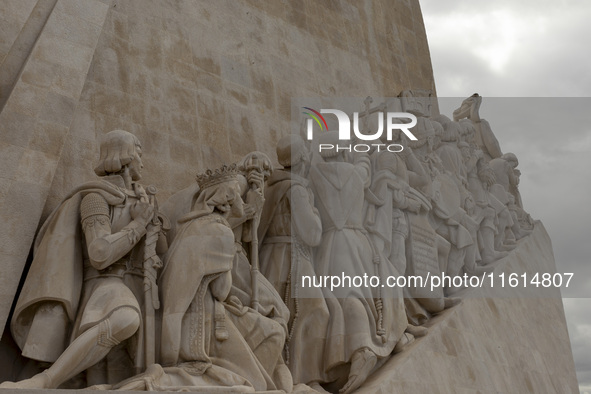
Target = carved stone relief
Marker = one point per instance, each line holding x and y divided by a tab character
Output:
208	290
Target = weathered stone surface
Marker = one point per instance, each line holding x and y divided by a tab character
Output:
495	341
21	24
36	117
193	70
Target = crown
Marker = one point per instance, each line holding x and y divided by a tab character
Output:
213	177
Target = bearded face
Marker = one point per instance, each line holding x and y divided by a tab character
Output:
466	153
433	141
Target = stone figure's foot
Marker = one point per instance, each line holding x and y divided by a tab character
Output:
417	331
480	269
362	363
506	247
510	241
526	224
449	302
406	339
39	381
488	258
100	387
521	233
317	387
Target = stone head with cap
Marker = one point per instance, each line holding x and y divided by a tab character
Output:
330	138
451	131
292	153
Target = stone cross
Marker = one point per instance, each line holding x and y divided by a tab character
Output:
368	111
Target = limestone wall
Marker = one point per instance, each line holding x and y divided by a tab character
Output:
202	81
199	82
12	17
36	117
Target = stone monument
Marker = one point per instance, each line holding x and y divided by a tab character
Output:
104	285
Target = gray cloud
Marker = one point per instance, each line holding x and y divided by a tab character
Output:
495	44
531	48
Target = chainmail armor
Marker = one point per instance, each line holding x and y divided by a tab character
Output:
93	204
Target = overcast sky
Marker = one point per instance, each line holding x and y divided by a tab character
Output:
512	52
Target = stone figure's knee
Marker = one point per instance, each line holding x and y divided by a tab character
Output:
433	305
124	323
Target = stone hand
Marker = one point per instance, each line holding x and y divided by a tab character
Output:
249	211
398	197
310	196
413	205
142	212
255	199
256	178
489	178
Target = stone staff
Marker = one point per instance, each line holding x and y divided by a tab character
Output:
257	164
152	263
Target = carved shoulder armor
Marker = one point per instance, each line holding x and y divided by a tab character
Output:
93	204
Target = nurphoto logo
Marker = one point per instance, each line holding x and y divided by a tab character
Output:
344	130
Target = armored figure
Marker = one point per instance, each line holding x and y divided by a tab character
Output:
87	276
